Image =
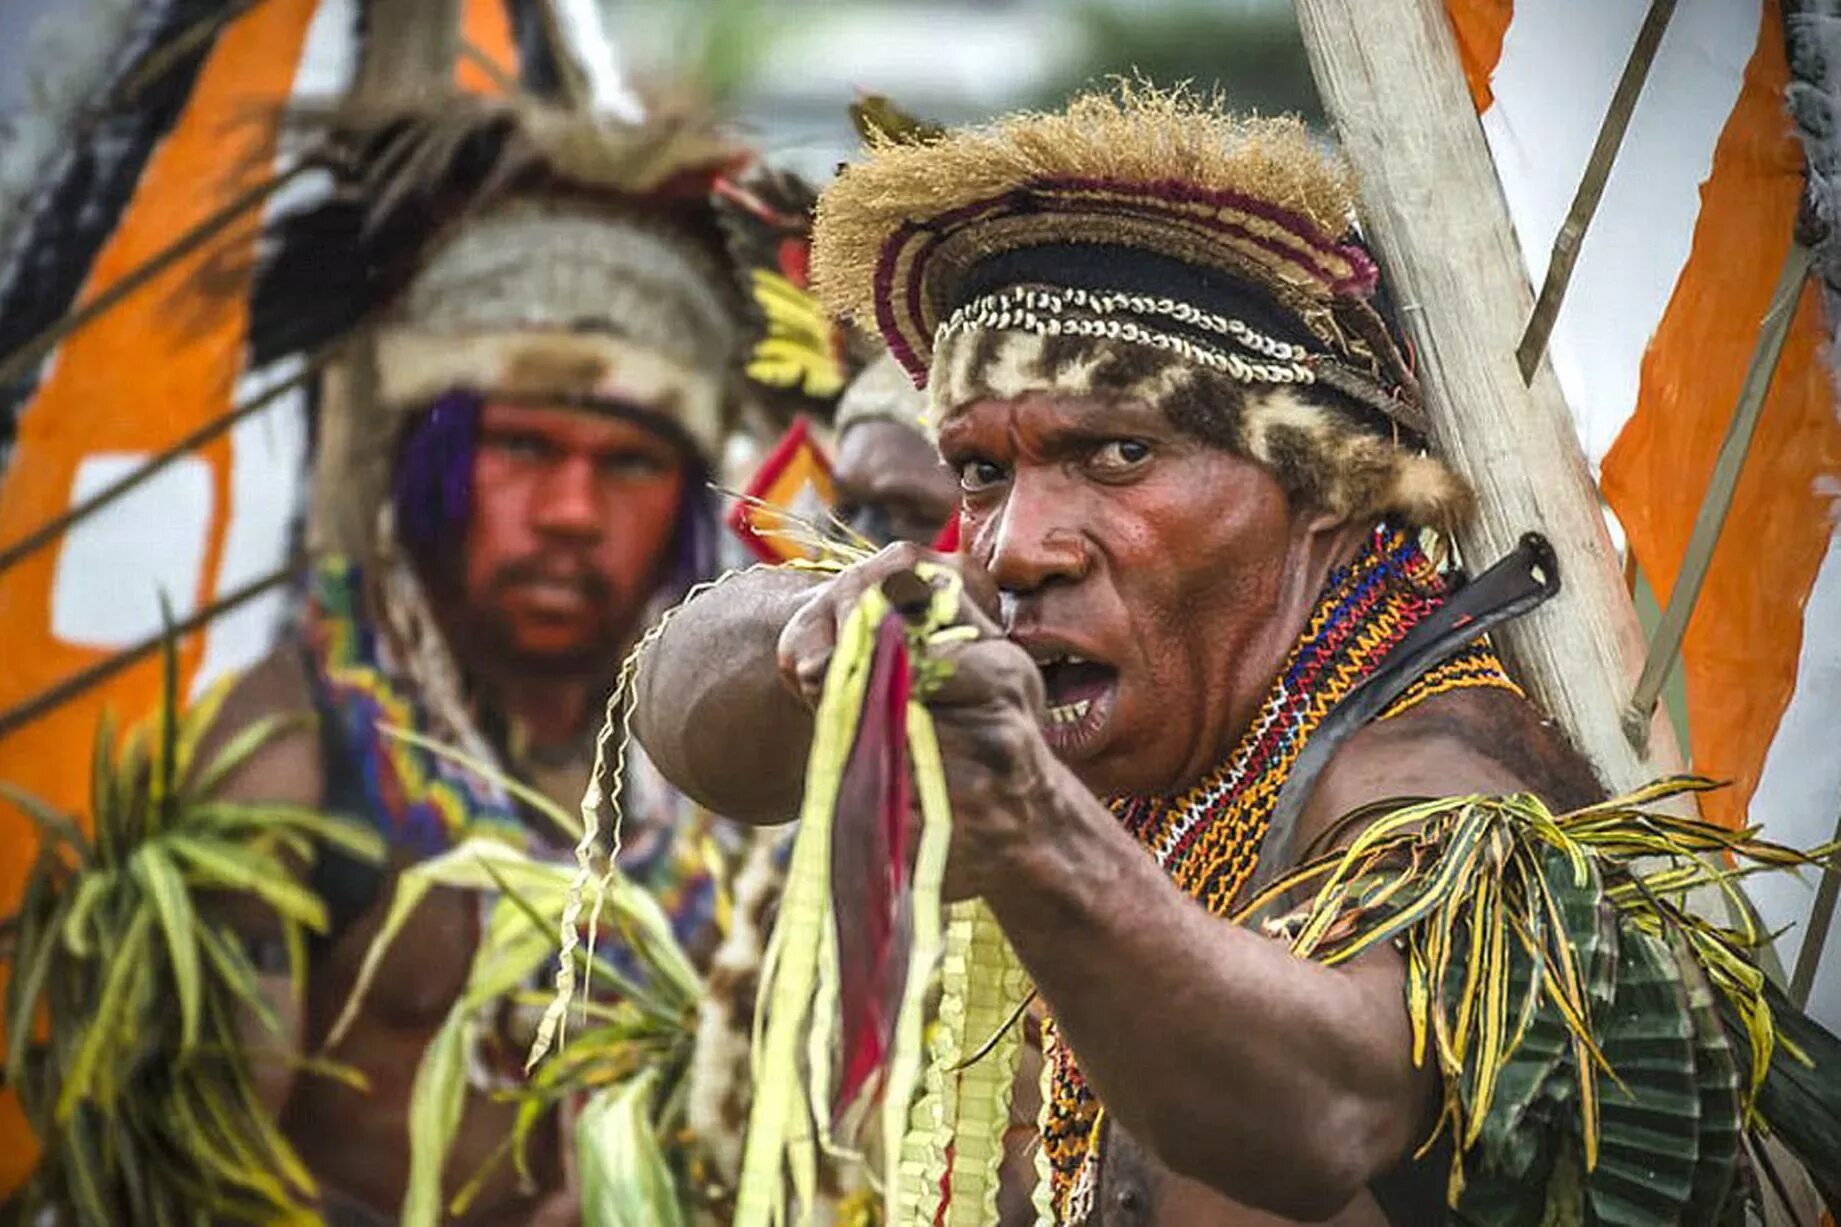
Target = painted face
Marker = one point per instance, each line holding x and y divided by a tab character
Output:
574	515
891	485
1139	566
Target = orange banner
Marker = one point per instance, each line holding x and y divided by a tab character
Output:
145	373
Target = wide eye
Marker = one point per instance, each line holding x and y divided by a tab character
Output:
976	475
1118	457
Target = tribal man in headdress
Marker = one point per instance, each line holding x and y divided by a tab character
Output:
1199	511
891	485
511	481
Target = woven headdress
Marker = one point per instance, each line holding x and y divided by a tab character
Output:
530	252
1143	246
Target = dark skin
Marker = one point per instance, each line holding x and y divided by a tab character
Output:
573	520
891	485
1186	574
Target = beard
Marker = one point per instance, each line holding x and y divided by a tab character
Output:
494	635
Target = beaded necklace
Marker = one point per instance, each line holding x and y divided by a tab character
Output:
1207	837
424	804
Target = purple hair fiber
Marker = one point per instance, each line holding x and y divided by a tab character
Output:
697	533
432	492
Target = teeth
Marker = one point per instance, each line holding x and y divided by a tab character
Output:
1070	713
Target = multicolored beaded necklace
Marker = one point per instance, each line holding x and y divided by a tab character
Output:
1207	838
424	804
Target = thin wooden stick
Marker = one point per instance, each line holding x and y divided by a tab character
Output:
1391	79
17	363
1821	918
1717	501
60	693
1571	237
470	50
58	525
163	59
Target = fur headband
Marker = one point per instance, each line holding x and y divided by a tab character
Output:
1322	453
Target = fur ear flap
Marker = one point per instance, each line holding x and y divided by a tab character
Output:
1425	492
1329	459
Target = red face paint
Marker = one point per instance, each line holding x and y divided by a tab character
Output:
572	523
1137	564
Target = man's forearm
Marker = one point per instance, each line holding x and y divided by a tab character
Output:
1281	1083
712	712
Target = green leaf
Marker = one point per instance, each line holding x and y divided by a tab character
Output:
625	1180
91	888
197	721
53	827
102	778
241	748
172	904
88	1171
1717	1075
222	863
461	866
127	964
231	817
235	973
436	1101
35	948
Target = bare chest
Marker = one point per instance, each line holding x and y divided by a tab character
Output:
1138	1191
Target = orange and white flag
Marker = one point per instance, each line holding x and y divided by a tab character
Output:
1657	328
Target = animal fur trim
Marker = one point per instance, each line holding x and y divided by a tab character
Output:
565	264
414	367
1163	171
1322	451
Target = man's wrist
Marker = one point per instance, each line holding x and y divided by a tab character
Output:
1046	879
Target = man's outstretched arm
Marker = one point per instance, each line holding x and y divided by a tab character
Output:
725	695
712	710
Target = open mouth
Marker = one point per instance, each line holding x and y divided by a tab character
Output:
1080	694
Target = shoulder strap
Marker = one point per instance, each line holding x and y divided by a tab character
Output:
1523	579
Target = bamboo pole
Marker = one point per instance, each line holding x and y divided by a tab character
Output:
1391	81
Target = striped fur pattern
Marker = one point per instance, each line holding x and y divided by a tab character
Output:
1324	453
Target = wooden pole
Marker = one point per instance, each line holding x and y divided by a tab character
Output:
1391	81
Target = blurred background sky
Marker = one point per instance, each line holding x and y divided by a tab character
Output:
786	68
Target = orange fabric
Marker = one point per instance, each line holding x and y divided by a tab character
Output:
486	27
1479	26
153	368
1741	648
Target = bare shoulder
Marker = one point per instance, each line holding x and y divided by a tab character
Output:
286	767
1462	741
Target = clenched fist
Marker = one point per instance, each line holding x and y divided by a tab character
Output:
1003	780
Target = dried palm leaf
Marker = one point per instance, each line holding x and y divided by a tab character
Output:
840	1014
1548	956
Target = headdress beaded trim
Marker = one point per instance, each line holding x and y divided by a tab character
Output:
1076	312
1207	838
